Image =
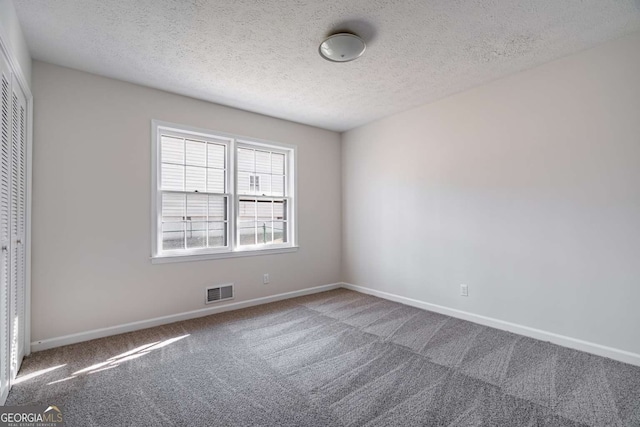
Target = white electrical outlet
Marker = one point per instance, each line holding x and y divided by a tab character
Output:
464	290
265	278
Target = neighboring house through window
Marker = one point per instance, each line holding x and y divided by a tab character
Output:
220	195
254	182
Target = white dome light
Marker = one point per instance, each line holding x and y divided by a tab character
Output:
342	47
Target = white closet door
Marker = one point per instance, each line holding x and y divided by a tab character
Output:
5	225
18	225
22	217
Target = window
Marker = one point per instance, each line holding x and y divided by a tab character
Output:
218	195
254	183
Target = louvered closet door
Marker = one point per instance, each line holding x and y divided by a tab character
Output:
5	225
18	224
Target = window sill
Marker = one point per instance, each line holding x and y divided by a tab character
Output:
221	255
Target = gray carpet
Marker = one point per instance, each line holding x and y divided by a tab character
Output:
338	358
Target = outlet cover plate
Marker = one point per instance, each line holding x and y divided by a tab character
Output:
464	290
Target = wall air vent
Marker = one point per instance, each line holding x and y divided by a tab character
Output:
218	293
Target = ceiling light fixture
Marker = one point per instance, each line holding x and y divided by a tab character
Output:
342	47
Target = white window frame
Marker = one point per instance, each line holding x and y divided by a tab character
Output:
232	142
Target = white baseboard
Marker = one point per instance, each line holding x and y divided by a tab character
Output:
589	347
144	324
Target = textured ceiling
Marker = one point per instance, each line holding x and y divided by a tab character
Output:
262	56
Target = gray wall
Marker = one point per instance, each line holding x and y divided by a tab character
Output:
526	189
92	157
